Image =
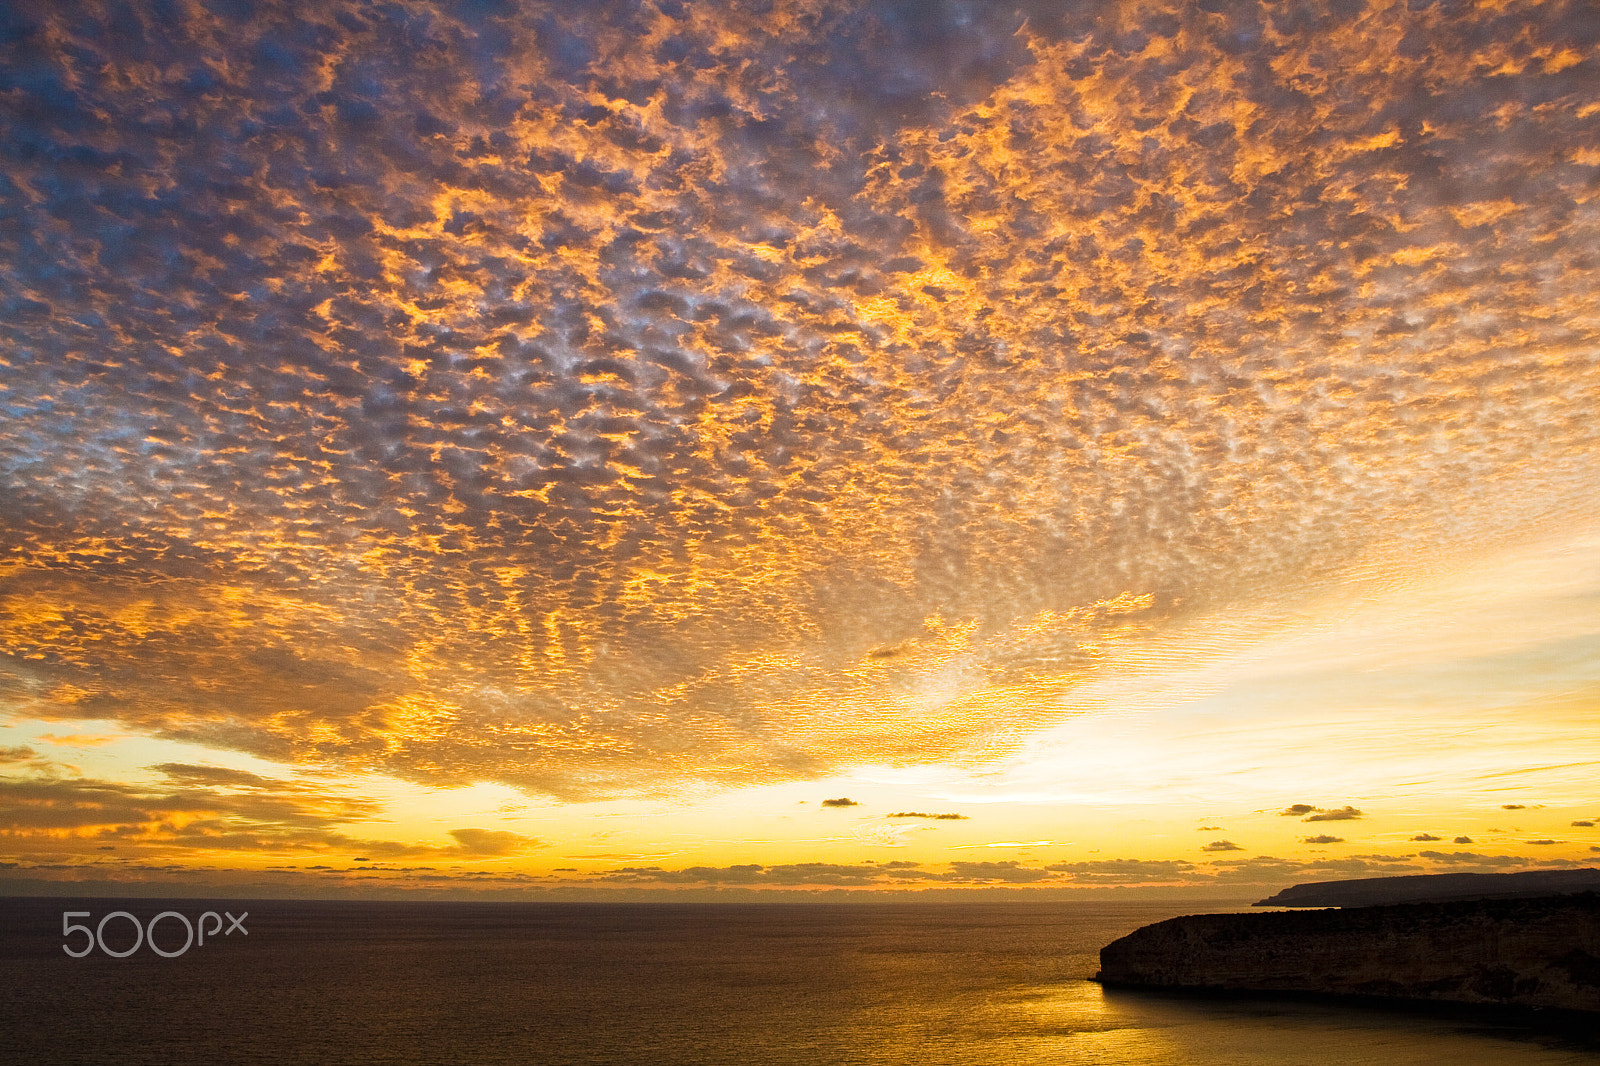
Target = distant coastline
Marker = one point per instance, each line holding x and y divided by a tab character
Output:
1373	891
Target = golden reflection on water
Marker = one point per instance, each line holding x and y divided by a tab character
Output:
1009	985
1079	1023
1083	1023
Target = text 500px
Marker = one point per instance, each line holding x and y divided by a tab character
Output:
142	934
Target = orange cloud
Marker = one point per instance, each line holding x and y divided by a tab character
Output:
608	402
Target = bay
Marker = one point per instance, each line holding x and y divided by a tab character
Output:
477	983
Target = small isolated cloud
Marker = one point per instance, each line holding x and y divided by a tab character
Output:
842	801
1306	812
1584	823
1426	838
1513	806
1462	840
1325	839
923	814
18	754
1210	829
491	842
78	740
1545	840
1221	845
885	836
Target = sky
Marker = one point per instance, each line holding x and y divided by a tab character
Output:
613	450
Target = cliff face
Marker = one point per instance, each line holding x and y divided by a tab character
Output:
1542	953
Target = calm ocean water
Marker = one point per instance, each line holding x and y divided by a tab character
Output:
453	983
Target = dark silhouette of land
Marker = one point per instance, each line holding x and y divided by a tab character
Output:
1372	891
1504	947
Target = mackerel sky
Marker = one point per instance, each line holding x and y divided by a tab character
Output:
618	402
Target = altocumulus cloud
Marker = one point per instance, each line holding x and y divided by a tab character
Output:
900	873
1126	871
1267	869
1472	858
1008	872
755	874
582	396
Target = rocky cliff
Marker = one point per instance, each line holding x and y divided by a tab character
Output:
1529	953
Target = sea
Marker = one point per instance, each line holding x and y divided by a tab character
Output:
898	984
